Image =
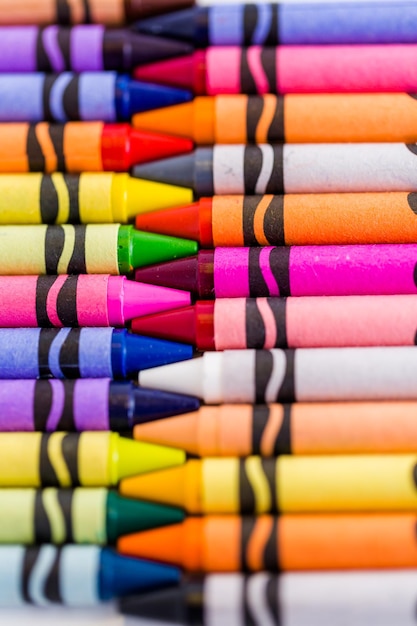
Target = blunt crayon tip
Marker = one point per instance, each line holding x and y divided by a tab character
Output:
128	515
166	605
144	299
134	458
181	221
181	274
144	96
151	404
187	72
150	146
178	171
180	25
121	575
150	248
175	325
187	377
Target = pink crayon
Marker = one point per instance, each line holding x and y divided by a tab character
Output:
84	300
290	69
383	269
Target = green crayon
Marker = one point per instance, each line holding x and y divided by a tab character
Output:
91	249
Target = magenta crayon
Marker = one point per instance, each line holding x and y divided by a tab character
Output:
290	69
314	322
80	300
380	269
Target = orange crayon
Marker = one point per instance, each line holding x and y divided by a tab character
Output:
292	542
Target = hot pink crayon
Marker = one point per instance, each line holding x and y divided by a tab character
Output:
381	269
290	69
265	323
80	300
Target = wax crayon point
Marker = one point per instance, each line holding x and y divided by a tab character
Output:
144	352
179	25
177	325
181	274
175	171
180	72
149	248
150	404
181	431
144	195
133	458
120	575
178	119
165	605
146	146
146	95
127	515
160	544
145	49
186	377
167	487
143	299
181	221
138	9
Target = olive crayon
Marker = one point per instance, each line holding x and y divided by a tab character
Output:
110	12
89	96
82	352
82	515
228	543
302	375
84	249
84	48
90	459
290	271
300	428
265	323
289	168
84	405
287	484
85	198
80	300
294	118
274	220
267	24
289	69
74	575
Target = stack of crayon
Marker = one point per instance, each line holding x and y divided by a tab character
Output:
68	364
302	458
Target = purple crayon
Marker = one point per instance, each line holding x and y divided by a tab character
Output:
84	404
383	269
80	300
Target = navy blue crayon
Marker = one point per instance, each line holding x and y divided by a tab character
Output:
273	24
75	575
102	96
82	353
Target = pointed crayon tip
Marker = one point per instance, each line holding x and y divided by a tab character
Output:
151	404
138	9
146	195
178	120
150	248
168	487
179	25
178	72
165	605
180	274
150	146
178	171
186	377
181	221
148	352
175	325
144	48
146	95
182	431
161	544
144	299
134	458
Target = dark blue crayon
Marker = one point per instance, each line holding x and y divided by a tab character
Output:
75	575
82	353
274	24
102	96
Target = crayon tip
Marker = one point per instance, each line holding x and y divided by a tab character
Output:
144	299
168	487
138	9
144	352
178	119
176	325
180	274
150	248
134	457
180	25
181	221
141	48
150	146
178	72
161	544
182	431
178	171
146	195
150	404
120	575
127	515
187	377
144	96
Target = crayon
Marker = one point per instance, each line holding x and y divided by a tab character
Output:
85	48
267	24
89	96
295	118
289	168
291	271
302	375
328	218
228	543
90	459
81	515
362	598
110	12
78	146
82	353
289	69
299	428
287	484
84	404
88	197
90	249
80	300
265	323
74	575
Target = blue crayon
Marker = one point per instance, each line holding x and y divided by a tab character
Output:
75	575
394	21
29	353
102	96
